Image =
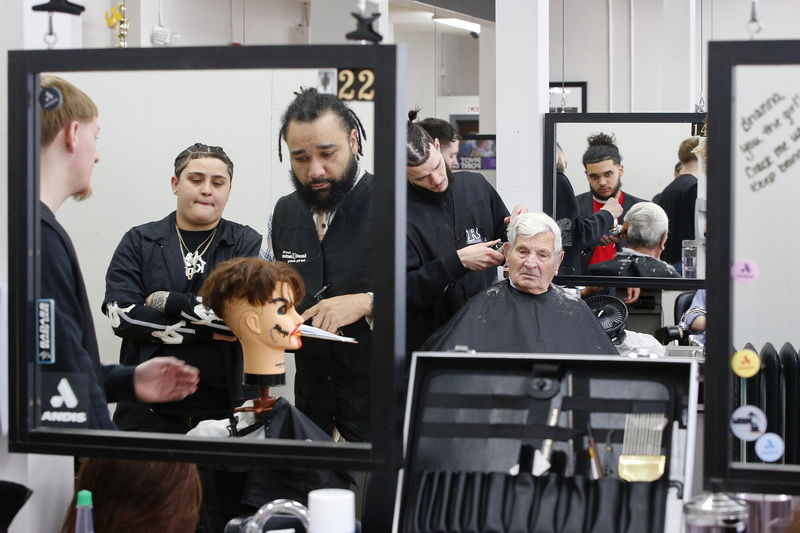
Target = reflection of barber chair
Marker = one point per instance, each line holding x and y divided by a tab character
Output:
678	332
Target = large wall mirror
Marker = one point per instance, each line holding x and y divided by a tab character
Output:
648	144
754	171
153	104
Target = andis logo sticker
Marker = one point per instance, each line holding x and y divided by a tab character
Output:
67	407
45	331
65	396
745	271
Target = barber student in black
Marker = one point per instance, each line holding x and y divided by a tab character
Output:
150	299
454	220
68	155
323	229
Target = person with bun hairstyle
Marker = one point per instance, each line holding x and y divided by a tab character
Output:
604	171
456	225
448	138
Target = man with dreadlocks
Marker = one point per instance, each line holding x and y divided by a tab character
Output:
454	223
323	230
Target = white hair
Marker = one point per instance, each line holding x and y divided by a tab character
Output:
647	224
529	224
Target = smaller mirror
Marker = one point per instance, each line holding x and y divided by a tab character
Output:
648	144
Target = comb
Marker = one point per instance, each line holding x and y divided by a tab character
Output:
641	458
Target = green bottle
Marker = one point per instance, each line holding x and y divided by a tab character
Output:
83	518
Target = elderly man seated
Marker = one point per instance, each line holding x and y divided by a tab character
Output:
526	312
646	228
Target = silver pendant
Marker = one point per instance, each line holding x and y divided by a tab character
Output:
194	264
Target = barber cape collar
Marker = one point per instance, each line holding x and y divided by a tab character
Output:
193	261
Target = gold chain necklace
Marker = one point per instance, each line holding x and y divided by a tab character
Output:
193	262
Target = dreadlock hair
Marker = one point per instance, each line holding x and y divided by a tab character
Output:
418	142
309	105
601	148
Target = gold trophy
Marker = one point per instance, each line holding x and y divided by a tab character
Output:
116	19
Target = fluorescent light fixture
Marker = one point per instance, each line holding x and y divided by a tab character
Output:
458	23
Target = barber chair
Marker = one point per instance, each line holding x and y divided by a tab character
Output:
667	334
13	495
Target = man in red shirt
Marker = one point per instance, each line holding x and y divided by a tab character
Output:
604	170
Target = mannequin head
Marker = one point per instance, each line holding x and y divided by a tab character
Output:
256	299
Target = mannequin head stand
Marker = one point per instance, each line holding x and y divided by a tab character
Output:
256	300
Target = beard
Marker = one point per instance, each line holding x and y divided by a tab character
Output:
450	178
326	201
82	195
612	194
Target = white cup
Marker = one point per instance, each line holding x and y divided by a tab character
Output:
332	511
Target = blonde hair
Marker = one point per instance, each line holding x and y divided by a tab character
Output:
75	105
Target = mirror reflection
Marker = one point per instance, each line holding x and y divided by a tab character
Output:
156	224
601	171
765	182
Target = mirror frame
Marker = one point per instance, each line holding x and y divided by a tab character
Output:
388	62
551	122
720	471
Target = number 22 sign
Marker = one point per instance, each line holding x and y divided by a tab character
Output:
356	85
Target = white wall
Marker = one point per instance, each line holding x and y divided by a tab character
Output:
208	22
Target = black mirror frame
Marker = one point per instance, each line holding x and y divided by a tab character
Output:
551	121
720	472
388	237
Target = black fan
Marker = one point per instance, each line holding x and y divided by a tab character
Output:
612	314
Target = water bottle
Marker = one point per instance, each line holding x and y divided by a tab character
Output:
689	258
83	518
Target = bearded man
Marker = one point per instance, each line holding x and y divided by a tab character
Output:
456	223
604	171
323	230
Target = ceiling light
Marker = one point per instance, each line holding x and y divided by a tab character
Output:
458	23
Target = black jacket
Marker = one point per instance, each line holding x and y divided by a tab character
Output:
678	200
332	385
149	259
437	283
586	205
76	351
577	233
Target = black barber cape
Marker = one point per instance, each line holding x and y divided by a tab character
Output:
504	319
633	264
232	491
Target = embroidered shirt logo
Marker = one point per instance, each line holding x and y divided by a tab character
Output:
474	235
293	257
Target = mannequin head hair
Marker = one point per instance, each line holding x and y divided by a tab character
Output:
249	279
131	496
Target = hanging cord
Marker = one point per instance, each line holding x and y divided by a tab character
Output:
755	25
563	103
50	38
700	107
